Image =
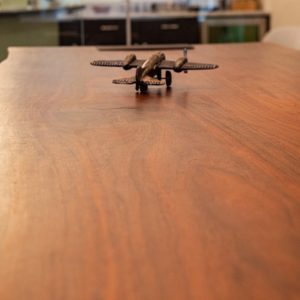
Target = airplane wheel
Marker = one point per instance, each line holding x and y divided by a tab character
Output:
143	87
168	78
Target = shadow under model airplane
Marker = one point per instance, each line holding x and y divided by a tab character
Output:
149	72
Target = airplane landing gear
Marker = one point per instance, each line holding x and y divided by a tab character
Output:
143	87
159	74
168	78
139	84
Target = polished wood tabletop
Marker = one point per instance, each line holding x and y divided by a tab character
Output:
188	193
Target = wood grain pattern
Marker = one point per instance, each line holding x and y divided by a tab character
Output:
192	193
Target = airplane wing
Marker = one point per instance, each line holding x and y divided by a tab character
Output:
130	80
153	81
147	80
116	63
196	66
169	65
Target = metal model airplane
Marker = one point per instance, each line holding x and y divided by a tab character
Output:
149	72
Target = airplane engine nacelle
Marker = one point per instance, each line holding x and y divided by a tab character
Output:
179	63
128	60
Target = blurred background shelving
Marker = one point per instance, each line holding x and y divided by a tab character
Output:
103	22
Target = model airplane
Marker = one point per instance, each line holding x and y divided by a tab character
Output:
149	72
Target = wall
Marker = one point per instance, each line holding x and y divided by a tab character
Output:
284	12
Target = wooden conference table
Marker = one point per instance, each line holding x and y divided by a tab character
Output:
192	193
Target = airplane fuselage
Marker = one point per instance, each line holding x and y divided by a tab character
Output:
150	66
